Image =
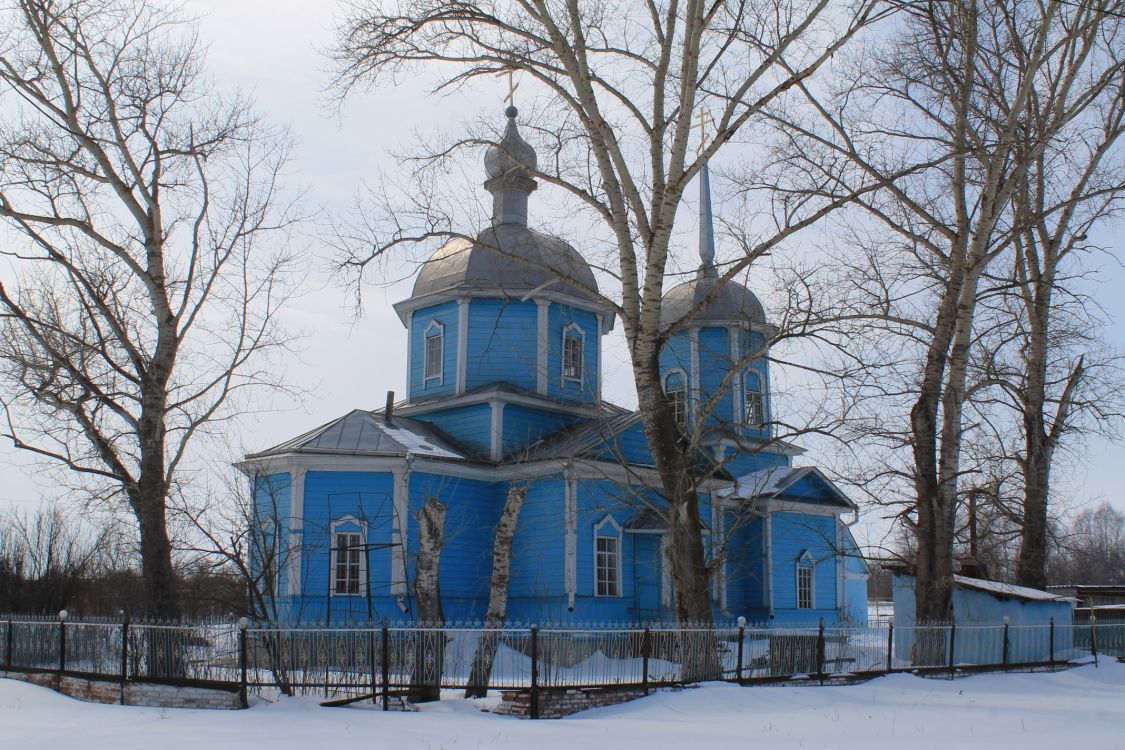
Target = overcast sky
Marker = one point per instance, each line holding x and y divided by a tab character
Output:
272	49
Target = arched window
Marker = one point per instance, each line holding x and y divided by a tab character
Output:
573	353
348	557
675	388
755	409
607	558
805	569
434	351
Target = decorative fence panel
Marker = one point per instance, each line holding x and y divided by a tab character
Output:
360	662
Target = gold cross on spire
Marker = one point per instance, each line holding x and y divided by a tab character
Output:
512	85
704	119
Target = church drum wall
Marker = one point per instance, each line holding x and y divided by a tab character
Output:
558	317
502	343
446	315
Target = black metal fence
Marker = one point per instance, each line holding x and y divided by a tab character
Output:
384	661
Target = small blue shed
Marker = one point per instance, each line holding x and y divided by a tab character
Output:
981	609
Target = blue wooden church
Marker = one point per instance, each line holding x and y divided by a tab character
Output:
503	388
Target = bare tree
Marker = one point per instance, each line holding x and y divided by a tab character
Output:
1091	548
620	90
145	303
952	90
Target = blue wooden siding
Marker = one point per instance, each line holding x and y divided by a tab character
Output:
524	425
747	462
714	364
536	590
469	425
473	508
446	315
746	590
793	534
558	318
330	496
272	498
501	343
628	445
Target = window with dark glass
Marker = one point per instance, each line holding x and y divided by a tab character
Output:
607	559
675	388
755	411
347	563
572	354
804	585
435	344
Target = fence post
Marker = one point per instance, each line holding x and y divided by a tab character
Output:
644	656
386	647
535	671
1007	644
1094	638
741	644
62	641
243	660
124	657
371	658
820	651
8	646
952	641
1051	658
890	646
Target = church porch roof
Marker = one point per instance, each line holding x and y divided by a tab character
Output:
367	433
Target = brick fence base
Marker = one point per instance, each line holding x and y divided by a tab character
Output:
135	693
555	703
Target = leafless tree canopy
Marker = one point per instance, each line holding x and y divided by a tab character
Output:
142	301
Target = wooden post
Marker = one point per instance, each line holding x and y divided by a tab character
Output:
741	644
386	667
535	671
952	641
371	658
243	661
124	657
1094	638
62	642
1051	658
644	657
890	646
1007	646
820	651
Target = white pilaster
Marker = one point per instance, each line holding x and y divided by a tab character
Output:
694	397
542	345
409	350
296	529
737	393
462	343
400	531
496	451
768	531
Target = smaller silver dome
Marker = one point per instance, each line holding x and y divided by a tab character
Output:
733	303
507	259
511	153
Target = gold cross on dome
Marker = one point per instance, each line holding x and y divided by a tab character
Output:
704	119
512	85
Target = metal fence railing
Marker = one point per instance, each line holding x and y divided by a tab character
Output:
382	661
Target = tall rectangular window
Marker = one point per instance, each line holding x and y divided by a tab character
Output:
572	353
607	559
804	587
435	344
755	411
676	390
347	550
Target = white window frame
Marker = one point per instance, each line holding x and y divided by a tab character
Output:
599	533
681	418
806	563
759	398
573	330
440	374
361	587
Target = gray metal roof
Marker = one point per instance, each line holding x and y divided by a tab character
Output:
367	433
511	153
509	259
732	303
581	439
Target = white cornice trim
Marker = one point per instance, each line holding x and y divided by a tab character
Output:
488	396
406	306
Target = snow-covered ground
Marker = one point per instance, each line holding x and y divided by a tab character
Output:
1080	707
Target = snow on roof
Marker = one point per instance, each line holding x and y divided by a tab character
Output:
773	482
1009	589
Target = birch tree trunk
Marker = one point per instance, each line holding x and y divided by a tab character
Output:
429	655
497	592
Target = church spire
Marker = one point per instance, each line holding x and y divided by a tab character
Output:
706	225
509	165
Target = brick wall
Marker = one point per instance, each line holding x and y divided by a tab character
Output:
136	693
555	703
